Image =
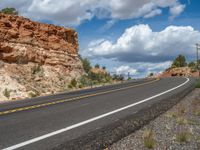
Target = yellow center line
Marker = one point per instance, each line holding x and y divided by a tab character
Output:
71	99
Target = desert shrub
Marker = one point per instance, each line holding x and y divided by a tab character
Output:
118	77
70	86
182	121
32	94
197	85
97	66
84	80
80	86
129	78
149	140
73	82
6	93
171	114
191	64
183	136
86	65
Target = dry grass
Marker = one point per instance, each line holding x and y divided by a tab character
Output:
197	84
149	139
171	114
182	121
181	110
196	107
183	136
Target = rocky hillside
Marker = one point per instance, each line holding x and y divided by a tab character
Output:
36	58
180	71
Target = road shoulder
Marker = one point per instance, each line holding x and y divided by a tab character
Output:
178	128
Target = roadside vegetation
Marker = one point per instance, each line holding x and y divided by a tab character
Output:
178	128
149	139
197	84
94	76
180	61
6	93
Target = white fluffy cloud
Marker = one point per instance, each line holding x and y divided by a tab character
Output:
74	12
176	10
125	69
140	44
141	69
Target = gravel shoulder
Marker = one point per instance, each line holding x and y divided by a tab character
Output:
176	129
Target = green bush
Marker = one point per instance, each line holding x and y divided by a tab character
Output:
97	66
70	86
191	64
74	82
84	80
6	93
10	11
32	94
118	77
86	65
80	86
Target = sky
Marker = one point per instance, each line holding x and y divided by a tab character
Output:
126	36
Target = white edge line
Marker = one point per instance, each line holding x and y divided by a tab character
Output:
90	120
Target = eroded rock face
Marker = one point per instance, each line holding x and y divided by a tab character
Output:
36	42
25	44
180	71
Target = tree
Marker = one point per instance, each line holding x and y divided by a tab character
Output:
10	11
191	64
151	74
86	65
97	66
180	61
104	68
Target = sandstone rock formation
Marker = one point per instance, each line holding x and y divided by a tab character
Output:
40	58
180	71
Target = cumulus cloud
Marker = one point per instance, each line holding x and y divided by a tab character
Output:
74	12
125	70
176	10
141	69
140	44
153	13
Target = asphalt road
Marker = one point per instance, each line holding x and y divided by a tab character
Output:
46	122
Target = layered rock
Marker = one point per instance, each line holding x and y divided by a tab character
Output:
180	71
51	51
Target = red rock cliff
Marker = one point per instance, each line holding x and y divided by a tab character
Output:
36	57
24	40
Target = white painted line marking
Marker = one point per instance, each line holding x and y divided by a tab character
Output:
90	120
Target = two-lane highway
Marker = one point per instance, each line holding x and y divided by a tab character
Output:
47	123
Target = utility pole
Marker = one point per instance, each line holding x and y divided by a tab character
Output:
128	75
198	47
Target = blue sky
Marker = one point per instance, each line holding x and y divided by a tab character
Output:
135	36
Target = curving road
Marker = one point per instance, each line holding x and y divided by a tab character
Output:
46	122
